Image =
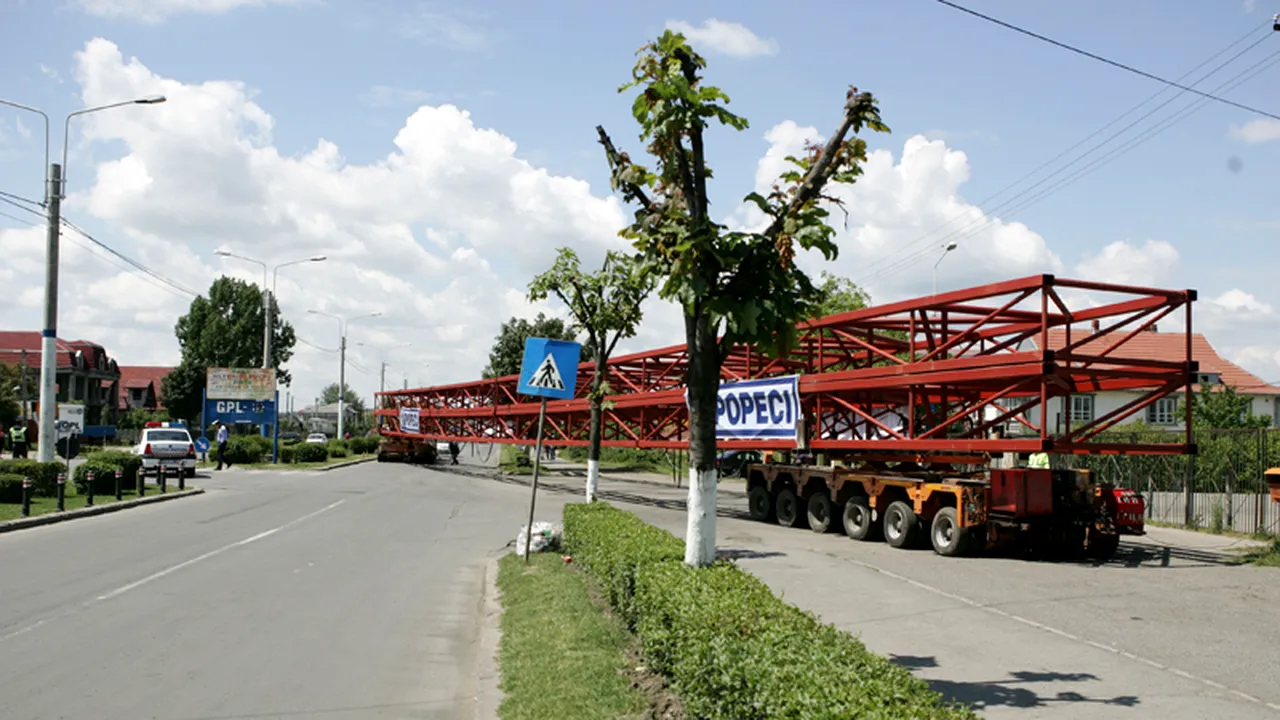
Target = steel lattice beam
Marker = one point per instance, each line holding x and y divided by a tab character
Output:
951	366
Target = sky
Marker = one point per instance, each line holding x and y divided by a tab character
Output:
438	155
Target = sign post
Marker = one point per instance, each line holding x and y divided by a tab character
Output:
549	370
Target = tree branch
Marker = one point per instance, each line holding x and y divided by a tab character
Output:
617	162
699	198
812	184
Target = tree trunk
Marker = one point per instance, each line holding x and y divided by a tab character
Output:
703	381
597	419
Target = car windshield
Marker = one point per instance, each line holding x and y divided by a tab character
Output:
167	436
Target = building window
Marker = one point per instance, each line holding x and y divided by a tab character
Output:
1081	409
1163	412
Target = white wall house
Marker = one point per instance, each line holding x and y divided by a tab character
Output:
1151	345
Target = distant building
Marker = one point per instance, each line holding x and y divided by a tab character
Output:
1215	371
142	387
85	373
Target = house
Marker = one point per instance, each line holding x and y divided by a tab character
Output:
85	373
142	387
1153	345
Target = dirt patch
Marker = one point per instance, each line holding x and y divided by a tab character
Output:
664	704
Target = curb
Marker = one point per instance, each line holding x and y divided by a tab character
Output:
349	463
488	693
57	517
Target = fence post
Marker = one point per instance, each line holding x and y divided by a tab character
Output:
62	491
119	474
182	479
160	469
26	497
142	482
1188	492
88	495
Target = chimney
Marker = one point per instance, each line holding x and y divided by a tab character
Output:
1094	326
1153	328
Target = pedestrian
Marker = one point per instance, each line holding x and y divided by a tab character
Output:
222	444
18	439
453	452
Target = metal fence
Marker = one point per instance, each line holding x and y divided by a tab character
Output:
1222	487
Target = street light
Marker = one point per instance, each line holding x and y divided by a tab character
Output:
945	249
55	188
342	361
267	294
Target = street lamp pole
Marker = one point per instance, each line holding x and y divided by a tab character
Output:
55	190
945	249
342	362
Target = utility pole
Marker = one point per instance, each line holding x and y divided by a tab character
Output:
266	321
26	401
342	381
47	435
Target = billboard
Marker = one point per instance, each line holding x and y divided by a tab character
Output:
240	383
768	408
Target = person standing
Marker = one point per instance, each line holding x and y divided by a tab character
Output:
222	444
18	439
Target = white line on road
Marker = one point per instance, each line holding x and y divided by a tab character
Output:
167	571
1041	626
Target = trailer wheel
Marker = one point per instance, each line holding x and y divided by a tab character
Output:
1103	547
786	508
901	525
948	538
760	503
858	521
821	512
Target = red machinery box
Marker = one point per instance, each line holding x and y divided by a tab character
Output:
1022	491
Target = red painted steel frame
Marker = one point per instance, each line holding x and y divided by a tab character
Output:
953	366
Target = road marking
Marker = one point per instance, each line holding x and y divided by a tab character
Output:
168	571
1041	626
213	553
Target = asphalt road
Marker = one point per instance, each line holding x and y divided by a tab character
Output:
348	594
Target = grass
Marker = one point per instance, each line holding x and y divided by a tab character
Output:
211	464
515	459
1265	556
46	505
561	657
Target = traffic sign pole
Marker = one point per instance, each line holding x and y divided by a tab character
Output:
533	495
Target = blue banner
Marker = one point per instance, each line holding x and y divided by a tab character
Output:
240	412
768	408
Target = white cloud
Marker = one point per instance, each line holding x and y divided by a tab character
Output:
1124	263
154	11
436	27
726	38
51	73
1250	5
385	96
1257	131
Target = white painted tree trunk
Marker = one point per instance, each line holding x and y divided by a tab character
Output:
593	479
700	535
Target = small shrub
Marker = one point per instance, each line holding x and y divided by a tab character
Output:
10	488
310	453
44	476
287	454
338	449
104	465
732	649
247	449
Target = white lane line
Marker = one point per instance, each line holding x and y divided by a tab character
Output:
170	570
1040	626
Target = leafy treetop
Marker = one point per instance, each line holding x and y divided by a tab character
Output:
508	346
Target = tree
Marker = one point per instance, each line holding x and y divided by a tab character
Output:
1222	408
606	304
508	347
839	295
223	330
353	401
745	284
11	398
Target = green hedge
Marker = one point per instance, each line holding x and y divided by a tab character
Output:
288	454
10	488
247	449
338	449
364	444
104	465
44	476
733	649
310	452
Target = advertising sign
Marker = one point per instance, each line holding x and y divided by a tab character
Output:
752	409
241	412
409	420
240	383
70	419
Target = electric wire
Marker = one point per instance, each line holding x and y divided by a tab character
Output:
1108	61
138	265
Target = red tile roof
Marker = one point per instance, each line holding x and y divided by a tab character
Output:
12	343
1169	346
140	376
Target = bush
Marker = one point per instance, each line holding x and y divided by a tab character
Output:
10	488
44	476
104	465
364	444
338	449
247	449
310	452
732	648
288	454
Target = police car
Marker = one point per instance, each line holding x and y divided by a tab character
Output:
167	445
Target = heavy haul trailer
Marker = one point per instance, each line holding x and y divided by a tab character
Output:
1056	513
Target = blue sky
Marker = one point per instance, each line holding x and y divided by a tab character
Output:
353	72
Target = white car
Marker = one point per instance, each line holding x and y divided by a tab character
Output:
319	438
166	445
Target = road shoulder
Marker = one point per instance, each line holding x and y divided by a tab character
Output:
57	517
488	694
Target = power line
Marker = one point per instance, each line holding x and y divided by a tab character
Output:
1113	63
171	283
23	199
313	345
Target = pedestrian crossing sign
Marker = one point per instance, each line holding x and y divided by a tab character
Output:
549	368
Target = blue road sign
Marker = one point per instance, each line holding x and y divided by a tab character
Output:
240	412
202	444
549	368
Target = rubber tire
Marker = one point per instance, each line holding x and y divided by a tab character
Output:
1103	547
904	517
191	473
858	519
760	503
944	524
786	508
821	512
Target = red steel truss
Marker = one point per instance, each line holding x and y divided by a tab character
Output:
929	375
